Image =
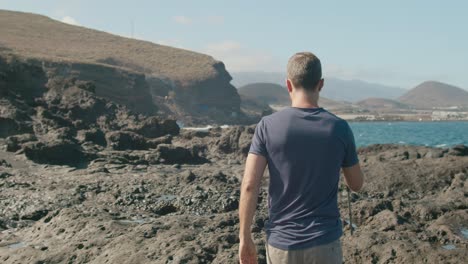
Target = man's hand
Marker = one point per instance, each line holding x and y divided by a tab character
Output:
254	168
354	177
247	251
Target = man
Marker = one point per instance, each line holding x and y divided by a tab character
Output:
305	147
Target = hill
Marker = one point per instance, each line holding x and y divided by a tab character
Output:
335	89
179	83
274	94
266	93
432	94
381	104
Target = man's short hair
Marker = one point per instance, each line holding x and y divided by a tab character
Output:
304	70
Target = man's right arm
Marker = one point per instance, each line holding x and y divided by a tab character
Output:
354	177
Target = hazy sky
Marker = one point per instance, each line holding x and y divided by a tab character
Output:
393	42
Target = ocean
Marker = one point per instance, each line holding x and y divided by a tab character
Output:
434	134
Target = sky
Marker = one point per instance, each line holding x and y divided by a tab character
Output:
399	43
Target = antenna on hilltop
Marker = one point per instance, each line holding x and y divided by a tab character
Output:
132	26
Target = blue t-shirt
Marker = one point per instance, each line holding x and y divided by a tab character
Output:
305	149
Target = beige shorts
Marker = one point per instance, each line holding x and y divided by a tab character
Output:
329	253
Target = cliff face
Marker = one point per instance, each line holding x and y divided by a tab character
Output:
147	77
31	78
118	85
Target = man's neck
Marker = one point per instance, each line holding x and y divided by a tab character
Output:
305	101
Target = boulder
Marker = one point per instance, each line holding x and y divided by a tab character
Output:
435	153
386	220
95	136
14	143
154	143
458	150
62	133
63	152
8	127
4	163
170	154
236	140
152	127
123	140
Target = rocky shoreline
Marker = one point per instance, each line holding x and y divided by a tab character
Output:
122	208
85	180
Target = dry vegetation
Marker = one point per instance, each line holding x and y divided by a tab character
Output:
38	36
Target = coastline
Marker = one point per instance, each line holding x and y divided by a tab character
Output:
412	205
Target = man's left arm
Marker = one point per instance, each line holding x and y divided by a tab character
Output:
254	169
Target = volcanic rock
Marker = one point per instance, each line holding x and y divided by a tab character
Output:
55	152
95	136
122	140
177	155
14	143
155	80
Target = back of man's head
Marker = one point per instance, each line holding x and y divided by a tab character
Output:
304	70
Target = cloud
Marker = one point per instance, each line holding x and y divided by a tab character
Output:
183	20
237	57
70	20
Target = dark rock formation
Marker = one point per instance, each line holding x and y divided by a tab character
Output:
122	140
236	140
14	143
55	152
412	204
157	79
153	127
178	155
459	150
93	135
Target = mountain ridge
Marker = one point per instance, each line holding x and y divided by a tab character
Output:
335	88
432	94
275	94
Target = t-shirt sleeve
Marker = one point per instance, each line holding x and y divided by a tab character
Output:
258	145
350	158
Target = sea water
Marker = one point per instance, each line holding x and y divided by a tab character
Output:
434	134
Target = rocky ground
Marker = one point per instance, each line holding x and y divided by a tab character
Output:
84	180
121	208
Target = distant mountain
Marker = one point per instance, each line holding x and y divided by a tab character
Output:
336	89
274	94
435	94
240	79
356	90
266	93
381	104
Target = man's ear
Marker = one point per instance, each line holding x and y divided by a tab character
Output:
320	84
289	85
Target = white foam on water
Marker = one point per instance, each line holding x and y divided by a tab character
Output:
17	245
132	221
449	247
204	129
440	145
464	232
167	197
353	225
